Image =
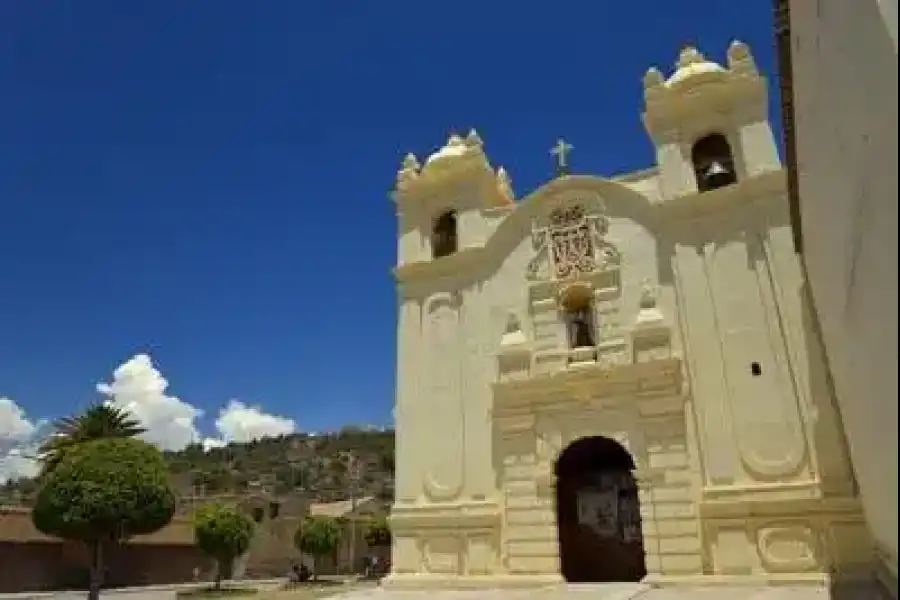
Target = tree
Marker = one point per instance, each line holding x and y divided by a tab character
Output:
318	537
223	533
378	533
101	420
105	491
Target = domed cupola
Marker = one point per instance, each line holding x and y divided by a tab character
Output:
458	151
693	69
709	122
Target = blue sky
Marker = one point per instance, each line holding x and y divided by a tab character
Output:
207	182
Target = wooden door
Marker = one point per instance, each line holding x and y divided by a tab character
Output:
600	538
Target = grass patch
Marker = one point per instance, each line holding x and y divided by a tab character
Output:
315	590
210	593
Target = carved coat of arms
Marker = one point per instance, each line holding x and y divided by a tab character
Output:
572	244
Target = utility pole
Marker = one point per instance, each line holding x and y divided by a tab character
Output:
295	459
353	472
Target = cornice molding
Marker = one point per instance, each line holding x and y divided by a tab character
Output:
659	216
455	515
557	390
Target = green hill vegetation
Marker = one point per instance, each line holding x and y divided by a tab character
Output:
323	467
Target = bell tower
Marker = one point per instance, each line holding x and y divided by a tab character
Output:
447	208
709	123
440	203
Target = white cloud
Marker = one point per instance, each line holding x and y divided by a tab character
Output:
19	438
238	422
16	425
210	443
139	387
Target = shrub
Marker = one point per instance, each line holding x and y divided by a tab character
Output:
223	533
378	533
318	537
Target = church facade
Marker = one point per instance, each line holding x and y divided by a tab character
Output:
617	379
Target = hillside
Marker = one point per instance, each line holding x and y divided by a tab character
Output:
318	465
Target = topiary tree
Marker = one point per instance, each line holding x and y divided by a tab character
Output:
318	537
105	491
378	533
223	533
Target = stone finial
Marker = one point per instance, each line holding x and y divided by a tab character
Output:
740	59
654	82
454	141
689	56
513	336
410	163
504	184
514	353
409	170
649	313
473	140
653	78
512	324
648	294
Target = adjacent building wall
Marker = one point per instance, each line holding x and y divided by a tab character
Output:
844	95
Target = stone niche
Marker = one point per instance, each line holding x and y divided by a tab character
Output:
648	339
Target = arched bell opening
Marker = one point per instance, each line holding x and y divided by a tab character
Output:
713	162
444	235
598	513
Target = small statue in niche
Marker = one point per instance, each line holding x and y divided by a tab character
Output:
581	333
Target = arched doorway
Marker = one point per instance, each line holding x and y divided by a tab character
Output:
598	513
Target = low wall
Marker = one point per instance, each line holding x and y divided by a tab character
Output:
38	566
32	561
16	526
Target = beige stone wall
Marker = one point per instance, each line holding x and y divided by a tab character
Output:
845	104
668	499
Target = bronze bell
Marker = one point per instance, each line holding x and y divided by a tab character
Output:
718	175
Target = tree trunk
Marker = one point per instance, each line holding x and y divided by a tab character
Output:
315	569
220	569
224	570
96	550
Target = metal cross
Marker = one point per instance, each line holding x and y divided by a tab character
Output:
561	152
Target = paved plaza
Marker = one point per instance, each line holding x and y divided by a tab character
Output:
629	592
610	591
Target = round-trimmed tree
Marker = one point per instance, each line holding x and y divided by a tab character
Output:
103	491
223	533
318	537
378	533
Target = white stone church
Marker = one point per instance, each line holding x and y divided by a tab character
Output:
617	379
